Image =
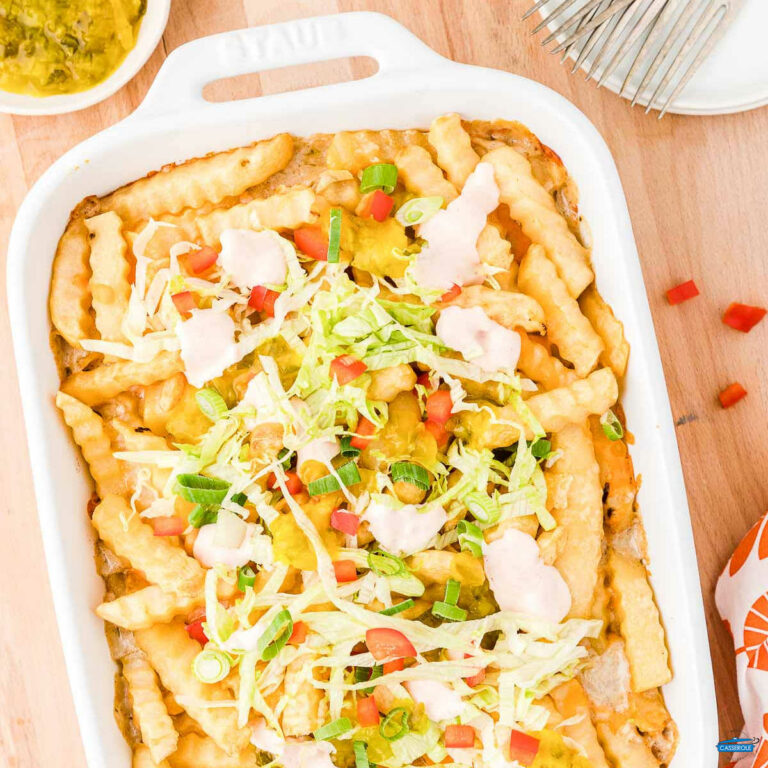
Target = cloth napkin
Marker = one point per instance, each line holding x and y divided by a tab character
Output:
741	597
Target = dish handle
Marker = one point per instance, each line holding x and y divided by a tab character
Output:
180	81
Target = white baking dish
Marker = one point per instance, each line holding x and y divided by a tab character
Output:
412	86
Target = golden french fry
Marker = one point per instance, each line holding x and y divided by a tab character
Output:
70	298
639	622
204	180
531	205
422	176
171	652
436	566
507	308
88	432
495	251
339	188
454	148
103	383
624	746
609	328
143	759
572	703
109	285
354	150
159	398
537	364
303	713
147	606
149	711
163	562
129	439
387	383
566	326
196	751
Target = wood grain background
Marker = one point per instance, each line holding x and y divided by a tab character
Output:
697	189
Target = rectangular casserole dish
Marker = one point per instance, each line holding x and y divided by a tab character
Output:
413	85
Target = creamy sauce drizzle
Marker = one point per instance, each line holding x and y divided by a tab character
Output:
252	258
406	529
207	345
440	701
207	552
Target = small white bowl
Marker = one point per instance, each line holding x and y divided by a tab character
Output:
150	32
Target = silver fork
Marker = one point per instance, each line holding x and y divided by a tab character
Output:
664	41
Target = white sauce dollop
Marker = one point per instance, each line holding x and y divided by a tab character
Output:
252	258
481	340
296	754
450	256
321	449
403	530
440	701
209	553
521	582
207	345
265	739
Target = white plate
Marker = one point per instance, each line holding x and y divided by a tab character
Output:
413	85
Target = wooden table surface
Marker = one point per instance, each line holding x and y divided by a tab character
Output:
697	189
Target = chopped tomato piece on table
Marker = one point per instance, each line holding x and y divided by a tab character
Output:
346	368
168	526
682	292
184	302
345	570
459	736
451	294
384	643
196	632
299	633
743	317
523	747
312	242
346	522
731	395
367	712
364	434
200	260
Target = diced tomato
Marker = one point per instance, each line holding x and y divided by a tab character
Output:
292	482
475	679
732	394
439	406
743	317
439	432
263	300
184	302
378	205
346	368
299	634
367	712
682	292
345	571
199	261
424	380
384	643
522	747
346	522
196	632
396	665
312	242
459	736
364	430
451	294
168	526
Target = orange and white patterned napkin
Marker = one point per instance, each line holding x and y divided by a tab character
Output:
741	597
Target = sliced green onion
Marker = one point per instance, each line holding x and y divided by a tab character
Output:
348	450
481	505
470	538
361	754
284	457
611	426
246	577
276	636
334	729
239	498
211	403
348	474
447	611
418	210
405	471
452	592
211	665
367	675
381	176
202	515
334	236
395	725
201	490
384	564
541	448
399	608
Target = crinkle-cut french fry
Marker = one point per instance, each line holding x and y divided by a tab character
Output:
526	523
103	383
572	703
339	188
494	250
89	433
70	298
145	607
580	522
129	439
158	400
454	148
204	180
196	751
566	326
537	364
617	476
422	176
624	746
507	308
164	563
109	284
171	652
639	622
609	328
302	714
436	566
149	711
143	759
531	205
286	210
354	150
387	383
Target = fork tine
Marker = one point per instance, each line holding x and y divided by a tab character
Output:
591	41
612	9
585	20
533	9
568	23
614	35
561	9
